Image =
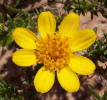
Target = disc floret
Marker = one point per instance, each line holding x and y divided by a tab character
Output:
54	52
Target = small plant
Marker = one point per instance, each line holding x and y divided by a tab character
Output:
96	95
8	91
53	50
99	49
6	27
83	6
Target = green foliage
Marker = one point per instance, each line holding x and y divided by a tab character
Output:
59	19
8	91
26	20
17	3
15	10
96	95
1	24
105	95
1	18
99	49
83	6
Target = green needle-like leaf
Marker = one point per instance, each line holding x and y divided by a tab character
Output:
94	93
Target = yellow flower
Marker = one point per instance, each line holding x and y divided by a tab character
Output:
56	51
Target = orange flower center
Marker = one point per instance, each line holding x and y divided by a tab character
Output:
53	51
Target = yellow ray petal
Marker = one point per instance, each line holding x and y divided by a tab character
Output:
69	24
46	24
44	80
24	57
82	39
24	38
68	80
81	65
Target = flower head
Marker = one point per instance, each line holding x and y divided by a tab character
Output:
56	51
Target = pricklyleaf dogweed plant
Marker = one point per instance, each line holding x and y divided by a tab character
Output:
8	91
56	51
